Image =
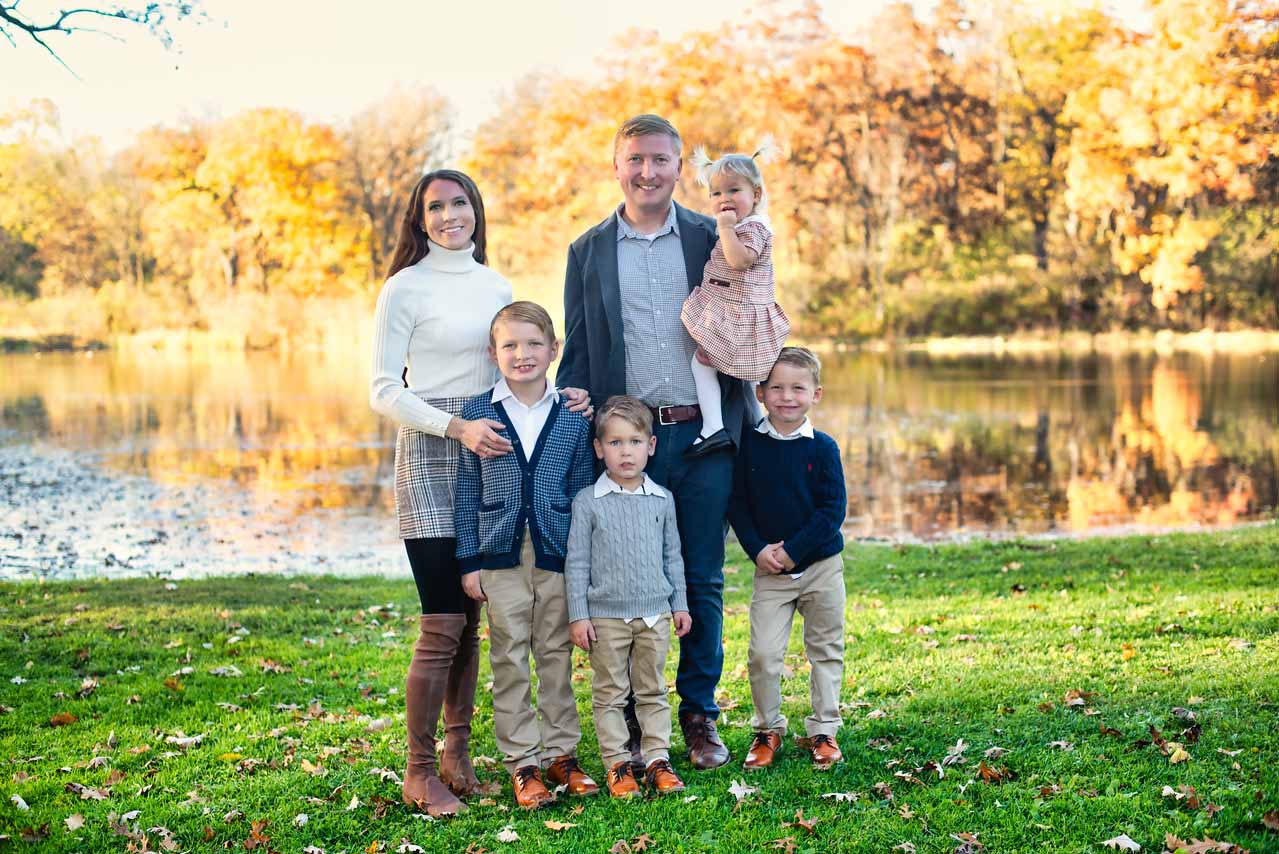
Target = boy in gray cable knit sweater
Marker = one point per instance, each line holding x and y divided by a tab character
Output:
625	583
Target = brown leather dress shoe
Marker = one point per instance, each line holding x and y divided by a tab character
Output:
705	750
825	751
765	747
566	772
621	781
661	778
530	791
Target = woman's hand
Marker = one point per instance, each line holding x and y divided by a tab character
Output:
471	587
480	436
683	623
578	400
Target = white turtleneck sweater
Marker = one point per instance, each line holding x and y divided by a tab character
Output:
434	316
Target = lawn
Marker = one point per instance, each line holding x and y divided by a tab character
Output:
1019	696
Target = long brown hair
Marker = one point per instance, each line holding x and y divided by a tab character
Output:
412	244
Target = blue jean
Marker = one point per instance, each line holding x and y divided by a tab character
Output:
701	488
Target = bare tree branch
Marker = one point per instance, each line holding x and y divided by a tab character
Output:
156	16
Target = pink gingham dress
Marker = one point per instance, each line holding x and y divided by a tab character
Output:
733	315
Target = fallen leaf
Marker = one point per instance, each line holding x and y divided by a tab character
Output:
34	834
806	823
508	834
1271	820
558	825
642	842
1123	842
905	847
968	843
993	774
740	790
62	719
843	796
19	802
1062	745
378	725
786	844
1178	754
884	790
407	847
74	821
1229	752
956	753
996	752
621	846
301	819
354	804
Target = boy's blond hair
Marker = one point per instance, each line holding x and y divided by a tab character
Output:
526	312
800	357
630	409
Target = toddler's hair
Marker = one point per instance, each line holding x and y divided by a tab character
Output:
528	312
630	409
647	124
800	357
742	165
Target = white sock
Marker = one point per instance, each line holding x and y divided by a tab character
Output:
708	392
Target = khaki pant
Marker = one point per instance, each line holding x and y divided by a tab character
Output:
528	610
630	657
819	598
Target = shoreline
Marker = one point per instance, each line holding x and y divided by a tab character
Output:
1159	342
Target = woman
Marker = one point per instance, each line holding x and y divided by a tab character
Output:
433	315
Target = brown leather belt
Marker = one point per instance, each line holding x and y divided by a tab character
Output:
667	415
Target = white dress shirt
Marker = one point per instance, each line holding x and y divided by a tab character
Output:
527	420
804	430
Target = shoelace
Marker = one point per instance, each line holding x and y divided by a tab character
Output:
620	772
760	740
567	766
659	766
523	775
820	740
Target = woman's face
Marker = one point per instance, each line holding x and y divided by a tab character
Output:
447	215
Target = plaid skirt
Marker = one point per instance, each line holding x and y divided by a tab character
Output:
425	475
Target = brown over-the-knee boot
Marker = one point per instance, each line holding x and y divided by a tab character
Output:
437	646
459	708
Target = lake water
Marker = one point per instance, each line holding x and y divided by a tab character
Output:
114	463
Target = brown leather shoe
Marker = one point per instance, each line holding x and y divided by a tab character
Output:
621	781
566	772
825	751
765	747
530	791
705	750
661	777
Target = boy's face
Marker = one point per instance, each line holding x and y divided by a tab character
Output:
522	351
788	394
624	448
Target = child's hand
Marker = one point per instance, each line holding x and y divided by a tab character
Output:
471	587
780	554
683	623
726	219
583	633
767	560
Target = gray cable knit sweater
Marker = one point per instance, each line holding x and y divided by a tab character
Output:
623	557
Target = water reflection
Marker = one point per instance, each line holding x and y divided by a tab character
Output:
932	447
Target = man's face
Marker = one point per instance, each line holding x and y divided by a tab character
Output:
647	168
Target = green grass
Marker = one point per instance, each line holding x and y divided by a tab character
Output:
979	642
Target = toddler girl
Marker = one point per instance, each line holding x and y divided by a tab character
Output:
733	315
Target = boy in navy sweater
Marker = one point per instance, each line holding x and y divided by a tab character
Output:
511	517
788	504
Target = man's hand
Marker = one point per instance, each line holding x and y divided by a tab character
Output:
583	633
781	555
471	587
578	400
767	559
683	623
726	219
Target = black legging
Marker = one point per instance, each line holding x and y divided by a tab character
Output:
439	585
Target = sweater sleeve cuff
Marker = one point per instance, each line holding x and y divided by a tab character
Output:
578	609
469	564
679	601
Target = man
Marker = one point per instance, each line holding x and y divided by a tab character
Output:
626	281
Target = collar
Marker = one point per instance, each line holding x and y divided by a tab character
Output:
762	219
449	260
502	391
805	430
625	229
605	484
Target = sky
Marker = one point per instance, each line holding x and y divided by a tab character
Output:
328	59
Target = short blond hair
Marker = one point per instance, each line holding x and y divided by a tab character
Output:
632	410
800	357
526	312
647	124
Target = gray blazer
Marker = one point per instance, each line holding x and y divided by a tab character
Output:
594	346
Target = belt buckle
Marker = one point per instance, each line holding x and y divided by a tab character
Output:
661	416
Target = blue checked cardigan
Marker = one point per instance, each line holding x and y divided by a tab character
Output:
495	497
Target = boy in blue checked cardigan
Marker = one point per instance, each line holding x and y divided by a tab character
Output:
511	517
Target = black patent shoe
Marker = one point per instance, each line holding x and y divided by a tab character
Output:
718	441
